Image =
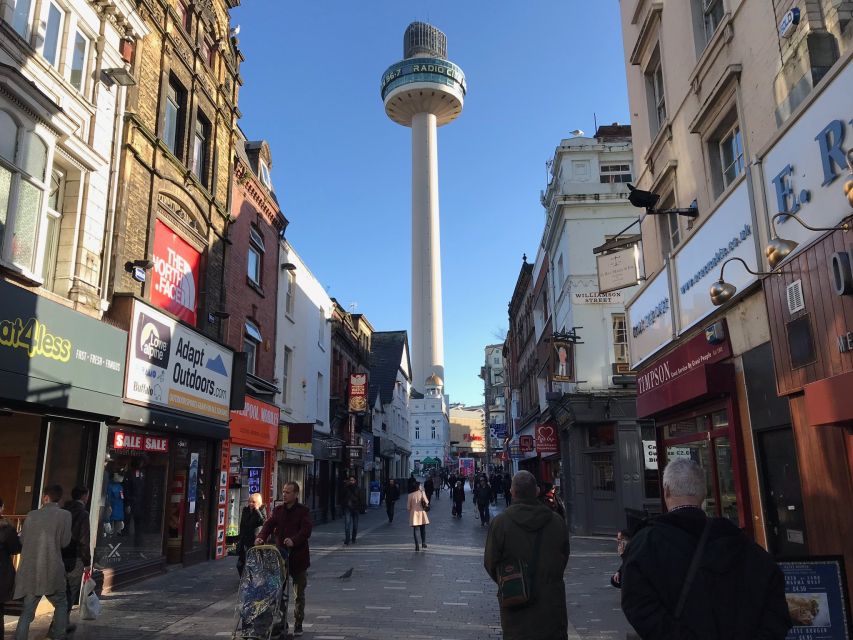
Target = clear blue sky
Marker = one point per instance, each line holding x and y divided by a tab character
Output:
536	69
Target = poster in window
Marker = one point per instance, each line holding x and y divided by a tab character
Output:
816	592
564	362
175	277
192	483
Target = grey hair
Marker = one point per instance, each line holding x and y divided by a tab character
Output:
684	477
524	486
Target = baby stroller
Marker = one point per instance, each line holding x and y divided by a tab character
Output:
263	595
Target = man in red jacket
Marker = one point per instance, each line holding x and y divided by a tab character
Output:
290	523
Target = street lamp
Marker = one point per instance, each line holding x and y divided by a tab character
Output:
778	248
722	291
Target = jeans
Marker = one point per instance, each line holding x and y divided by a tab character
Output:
484	512
73	583
389	508
415	528
60	615
300	581
350	525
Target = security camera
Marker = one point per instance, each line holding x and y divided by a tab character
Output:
642	199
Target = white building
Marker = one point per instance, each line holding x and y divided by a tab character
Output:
390	388
430	426
62	98
302	367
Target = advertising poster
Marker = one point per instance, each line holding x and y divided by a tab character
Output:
224	466
815	589
466	467
174	285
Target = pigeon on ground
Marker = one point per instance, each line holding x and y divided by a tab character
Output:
346	574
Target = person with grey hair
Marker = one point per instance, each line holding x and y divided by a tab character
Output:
687	576
529	533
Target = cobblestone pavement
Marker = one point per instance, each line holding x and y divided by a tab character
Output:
440	593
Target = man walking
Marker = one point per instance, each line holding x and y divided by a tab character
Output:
529	532
291	524
689	577
392	494
42	572
78	554
458	496
352	507
483	496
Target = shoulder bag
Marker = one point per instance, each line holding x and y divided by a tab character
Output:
691	571
516	579
424	503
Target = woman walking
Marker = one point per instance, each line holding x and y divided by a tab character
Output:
417	515
10	545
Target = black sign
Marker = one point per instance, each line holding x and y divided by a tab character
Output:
152	341
53	355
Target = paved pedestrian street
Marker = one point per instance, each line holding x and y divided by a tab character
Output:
394	592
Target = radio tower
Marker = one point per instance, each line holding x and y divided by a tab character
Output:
425	91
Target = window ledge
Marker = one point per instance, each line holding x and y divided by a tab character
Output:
289	317
722	36
663	136
254	285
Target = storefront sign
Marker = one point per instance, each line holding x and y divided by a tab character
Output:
472	438
53	355
497	430
174	283
358	392
845	342
815	589
139	442
173	366
650	454
726	234
618	269
651	320
546	439
564	361
802	169
657	378
525	444
256	424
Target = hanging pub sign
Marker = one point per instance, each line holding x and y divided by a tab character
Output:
816	593
546	439
525	444
358	392
564	361
618	269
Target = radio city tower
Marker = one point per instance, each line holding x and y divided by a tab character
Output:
424	91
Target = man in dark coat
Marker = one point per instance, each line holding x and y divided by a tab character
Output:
291	524
458	496
738	591
392	494
352	508
251	519
511	538
483	496
77	555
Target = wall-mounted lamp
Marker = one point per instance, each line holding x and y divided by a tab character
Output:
137	268
778	248
722	291
288	266
120	76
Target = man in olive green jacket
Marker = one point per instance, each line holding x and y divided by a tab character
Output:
512	536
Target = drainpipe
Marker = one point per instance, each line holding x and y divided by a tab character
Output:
112	196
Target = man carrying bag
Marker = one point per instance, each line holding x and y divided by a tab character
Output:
526	555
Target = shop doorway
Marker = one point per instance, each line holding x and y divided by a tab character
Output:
190	487
783	500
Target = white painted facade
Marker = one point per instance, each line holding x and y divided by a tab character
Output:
430	426
581	211
59	120
392	422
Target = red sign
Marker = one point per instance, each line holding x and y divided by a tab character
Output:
546	439
256	424
175	277
472	438
525	444
358	392
139	442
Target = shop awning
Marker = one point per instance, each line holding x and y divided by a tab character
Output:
180	424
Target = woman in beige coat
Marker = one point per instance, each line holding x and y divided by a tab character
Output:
417	516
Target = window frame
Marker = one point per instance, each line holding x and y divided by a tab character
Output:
669	226
621	171
289	293
26	23
656	92
201	148
619	346
252	339
734	137
712	13
53	226
177	100
255	248
725	129
72	47
285	375
58	53
264	172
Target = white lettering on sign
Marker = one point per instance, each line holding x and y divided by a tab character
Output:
138	442
845	342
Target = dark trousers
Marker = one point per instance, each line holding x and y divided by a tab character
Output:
458	505
73	583
484	512
389	508
422	527
507	497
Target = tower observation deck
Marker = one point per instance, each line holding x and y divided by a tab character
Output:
424	91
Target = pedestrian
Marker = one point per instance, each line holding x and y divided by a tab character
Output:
494	485
352	508
290	523
458	498
418	519
411	482
438	482
10	545
41	571
251	520
548	496
451	483
622	539
77	556
392	494
507	489
686	575
429	488
483	496
528	532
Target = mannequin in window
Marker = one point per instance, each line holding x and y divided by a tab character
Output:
115	503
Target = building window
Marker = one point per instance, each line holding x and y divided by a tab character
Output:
670	232
265	174
321	332
200	147
256	256
23	183
620	338
184	15
207	52
417	433
285	393
433	432
173	121
319	408
291	290
79	55
712	15
52	33
53	221
251	340
725	148
21	17
654	89
615	173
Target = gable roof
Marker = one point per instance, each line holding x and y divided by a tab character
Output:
387	350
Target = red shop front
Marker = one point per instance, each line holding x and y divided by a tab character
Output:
691	394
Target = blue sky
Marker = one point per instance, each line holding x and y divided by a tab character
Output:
536	69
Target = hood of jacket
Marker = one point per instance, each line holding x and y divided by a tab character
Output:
529	515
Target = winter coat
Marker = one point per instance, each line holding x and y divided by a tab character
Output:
417	515
43	535
459	493
411	483
9	546
429	486
293	523
79	547
738	592
352	498
512	536
392	494
250	521
483	494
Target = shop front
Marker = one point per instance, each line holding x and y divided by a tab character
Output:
162	496
252	459
295	459
61	376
